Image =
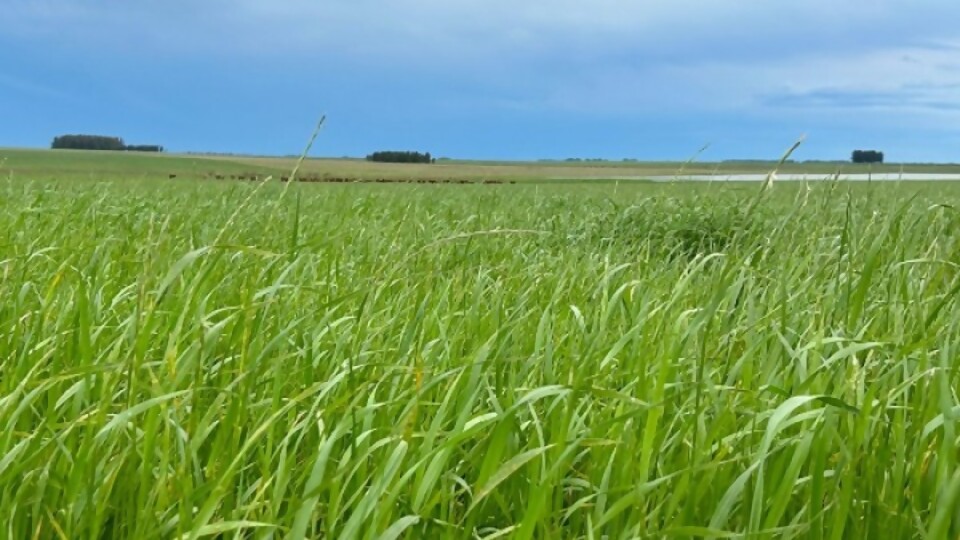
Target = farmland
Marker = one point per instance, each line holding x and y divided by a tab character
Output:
194	358
131	165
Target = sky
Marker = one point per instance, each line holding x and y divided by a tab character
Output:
489	79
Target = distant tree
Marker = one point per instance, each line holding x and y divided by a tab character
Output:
100	142
866	156
391	156
144	148
88	142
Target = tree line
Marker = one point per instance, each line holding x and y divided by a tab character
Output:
866	156
99	142
401	157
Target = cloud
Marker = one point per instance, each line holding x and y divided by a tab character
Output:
912	80
486	30
601	58
915	80
930	99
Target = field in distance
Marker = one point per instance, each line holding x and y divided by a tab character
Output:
93	164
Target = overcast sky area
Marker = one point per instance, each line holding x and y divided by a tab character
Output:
489	79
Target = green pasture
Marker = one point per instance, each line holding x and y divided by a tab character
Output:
239	360
60	164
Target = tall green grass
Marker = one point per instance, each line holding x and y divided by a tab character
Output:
185	360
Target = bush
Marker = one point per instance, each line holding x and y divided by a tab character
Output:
144	148
866	156
400	157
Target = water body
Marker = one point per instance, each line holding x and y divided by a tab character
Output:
906	177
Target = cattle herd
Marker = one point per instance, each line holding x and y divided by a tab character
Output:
343	180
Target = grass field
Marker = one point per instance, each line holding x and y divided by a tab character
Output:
100	165
239	360
60	164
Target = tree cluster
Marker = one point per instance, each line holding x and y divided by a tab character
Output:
88	142
867	156
99	142
144	148
401	157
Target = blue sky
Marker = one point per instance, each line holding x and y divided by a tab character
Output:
489	79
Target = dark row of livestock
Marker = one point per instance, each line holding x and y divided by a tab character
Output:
342	180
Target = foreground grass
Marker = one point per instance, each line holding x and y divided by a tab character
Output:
189	360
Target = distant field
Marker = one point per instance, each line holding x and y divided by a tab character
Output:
128	165
67	163
201	359
564	170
